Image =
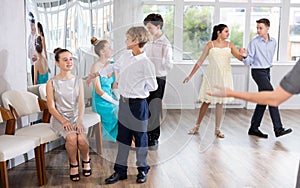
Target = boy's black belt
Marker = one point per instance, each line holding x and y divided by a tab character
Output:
130	100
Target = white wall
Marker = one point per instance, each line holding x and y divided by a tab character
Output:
12	46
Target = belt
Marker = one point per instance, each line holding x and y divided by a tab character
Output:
130	100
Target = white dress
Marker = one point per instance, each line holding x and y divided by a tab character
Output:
218	72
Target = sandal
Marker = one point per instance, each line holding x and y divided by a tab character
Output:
85	172
74	177
220	134
194	130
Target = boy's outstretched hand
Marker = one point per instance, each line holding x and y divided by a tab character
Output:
219	91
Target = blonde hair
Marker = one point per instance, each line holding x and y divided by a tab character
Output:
140	33
98	45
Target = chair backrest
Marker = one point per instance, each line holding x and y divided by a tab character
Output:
34	89
88	90
6	115
24	102
42	91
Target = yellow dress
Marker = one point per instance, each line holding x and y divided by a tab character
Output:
218	72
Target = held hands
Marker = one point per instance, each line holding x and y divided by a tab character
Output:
243	52
219	91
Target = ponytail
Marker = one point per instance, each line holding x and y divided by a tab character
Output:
216	29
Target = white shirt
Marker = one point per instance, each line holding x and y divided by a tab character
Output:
31	46
136	75
161	54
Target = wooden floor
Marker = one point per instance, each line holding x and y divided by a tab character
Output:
182	160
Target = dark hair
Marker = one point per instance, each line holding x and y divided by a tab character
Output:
39	44
155	19
264	21
58	51
217	28
31	17
40	27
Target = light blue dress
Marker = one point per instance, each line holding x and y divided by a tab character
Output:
107	110
42	78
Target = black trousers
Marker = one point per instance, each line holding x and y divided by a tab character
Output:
32	73
155	102
262	79
132	122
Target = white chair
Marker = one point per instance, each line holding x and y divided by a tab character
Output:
12	146
24	103
90	118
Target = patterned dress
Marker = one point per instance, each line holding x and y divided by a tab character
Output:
218	72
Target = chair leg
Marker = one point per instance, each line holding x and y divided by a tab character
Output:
3	173
78	157
38	164
43	164
99	138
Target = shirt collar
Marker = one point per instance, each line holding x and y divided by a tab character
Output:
138	57
262	39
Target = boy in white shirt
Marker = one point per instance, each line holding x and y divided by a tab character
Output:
136	80
160	53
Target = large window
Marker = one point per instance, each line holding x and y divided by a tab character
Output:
71	24
231	17
197	25
294	34
196	18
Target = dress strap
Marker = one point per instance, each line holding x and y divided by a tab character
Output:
228	44
212	44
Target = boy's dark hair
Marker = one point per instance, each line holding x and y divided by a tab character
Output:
31	17
155	19
264	21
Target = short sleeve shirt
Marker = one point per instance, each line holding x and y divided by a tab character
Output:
291	81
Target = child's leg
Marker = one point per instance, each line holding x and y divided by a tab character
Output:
219	111
201	115
124	139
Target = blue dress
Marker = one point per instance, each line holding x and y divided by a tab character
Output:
107	110
42	78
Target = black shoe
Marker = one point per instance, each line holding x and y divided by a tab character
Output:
153	145
283	132
257	133
114	178
141	177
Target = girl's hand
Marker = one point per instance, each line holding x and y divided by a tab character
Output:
186	80
67	125
79	128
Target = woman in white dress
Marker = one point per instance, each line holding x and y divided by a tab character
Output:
218	72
